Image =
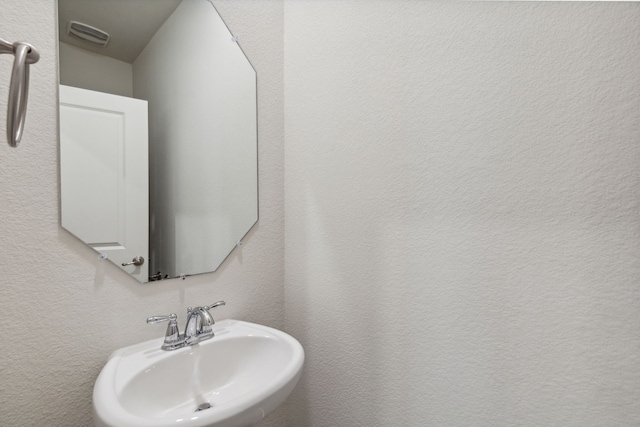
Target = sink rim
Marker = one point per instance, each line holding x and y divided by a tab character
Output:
109	384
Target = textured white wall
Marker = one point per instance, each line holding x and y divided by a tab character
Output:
462	219
61	311
87	70
462	198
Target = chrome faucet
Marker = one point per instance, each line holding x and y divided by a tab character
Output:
198	328
199	323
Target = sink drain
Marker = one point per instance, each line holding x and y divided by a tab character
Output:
203	406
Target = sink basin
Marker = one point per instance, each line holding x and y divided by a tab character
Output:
231	380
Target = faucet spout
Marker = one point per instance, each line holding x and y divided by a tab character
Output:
199	324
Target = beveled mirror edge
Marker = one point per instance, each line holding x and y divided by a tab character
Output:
102	256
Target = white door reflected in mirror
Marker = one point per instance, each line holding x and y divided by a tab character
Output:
104	173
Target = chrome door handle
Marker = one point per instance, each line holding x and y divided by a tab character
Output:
138	260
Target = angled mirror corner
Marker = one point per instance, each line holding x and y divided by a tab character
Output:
158	134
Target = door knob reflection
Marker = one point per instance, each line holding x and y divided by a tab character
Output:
138	260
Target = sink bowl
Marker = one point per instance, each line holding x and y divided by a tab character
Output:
231	380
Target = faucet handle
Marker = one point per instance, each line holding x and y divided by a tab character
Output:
214	305
206	307
172	338
158	319
207	319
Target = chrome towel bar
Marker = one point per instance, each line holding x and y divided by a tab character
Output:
25	54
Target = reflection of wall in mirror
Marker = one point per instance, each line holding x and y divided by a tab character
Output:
202	160
88	70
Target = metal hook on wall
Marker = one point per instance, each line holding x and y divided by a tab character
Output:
25	54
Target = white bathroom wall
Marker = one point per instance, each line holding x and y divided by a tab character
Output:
462	199
88	70
462	219
62	312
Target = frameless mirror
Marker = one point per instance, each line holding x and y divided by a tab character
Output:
158	134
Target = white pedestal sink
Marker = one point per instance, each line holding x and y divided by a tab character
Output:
240	375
